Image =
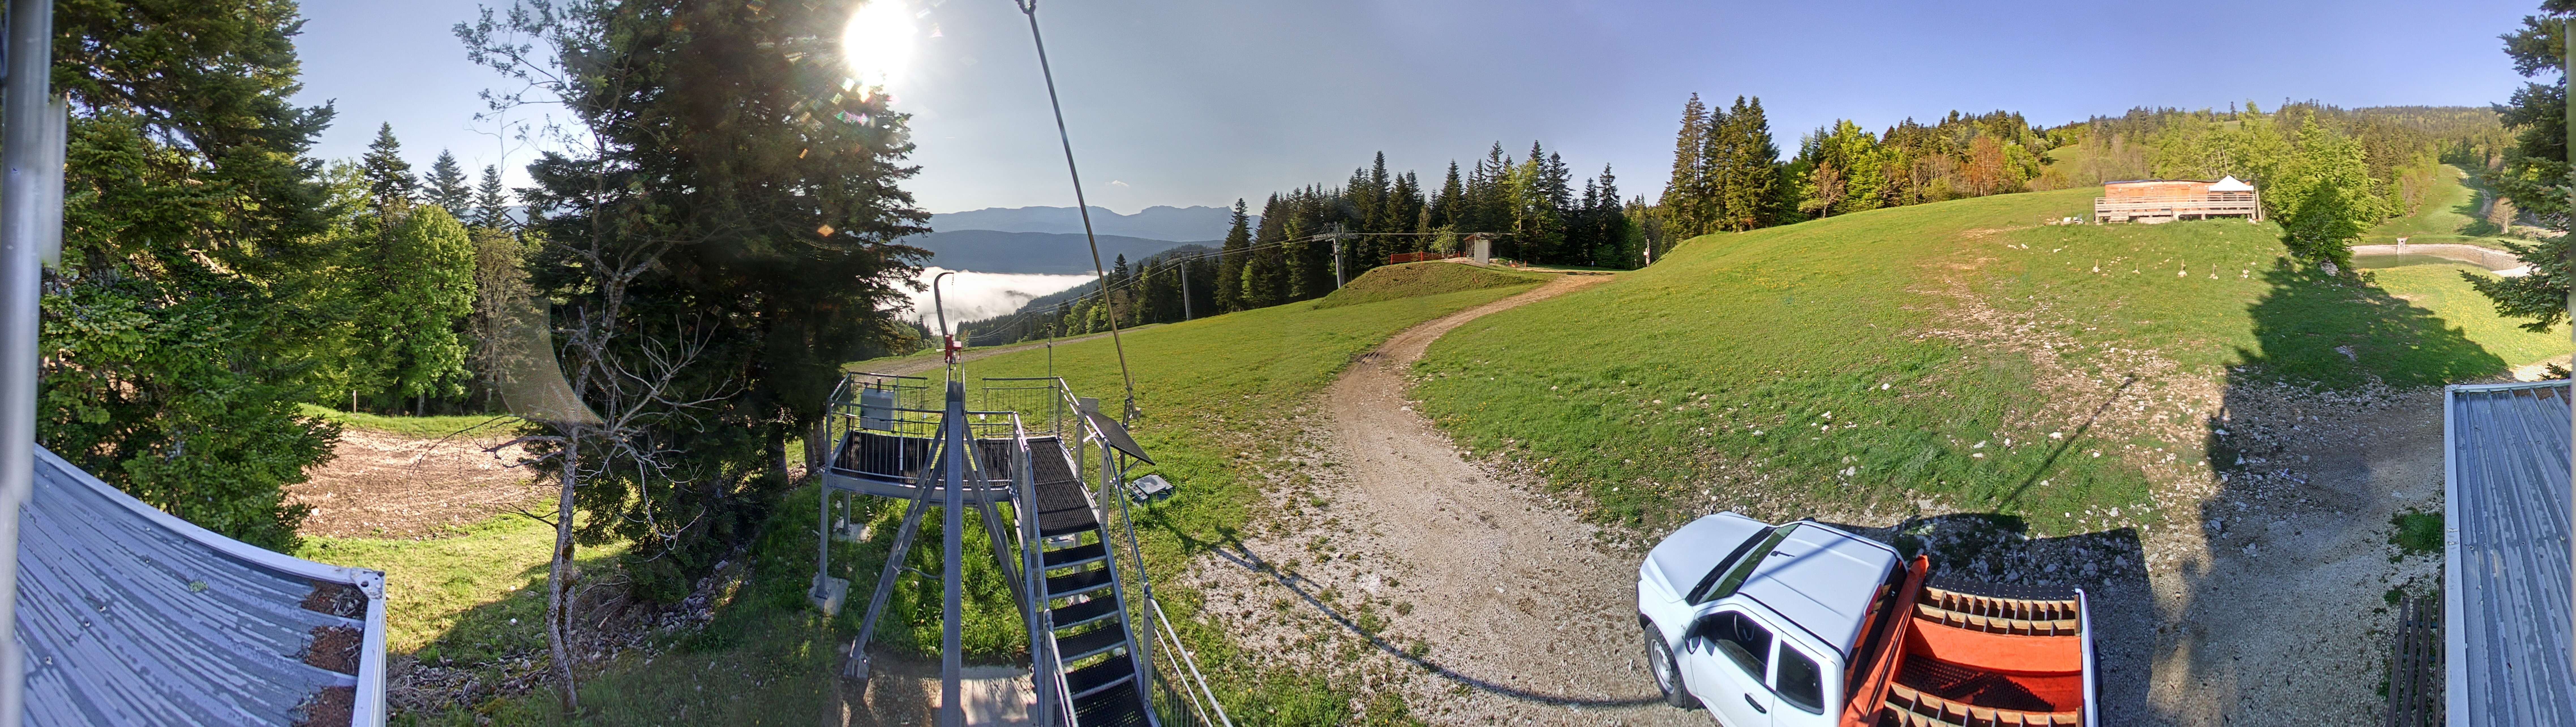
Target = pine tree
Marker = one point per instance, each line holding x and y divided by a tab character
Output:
1683	195
1750	170
389	178
491	202
447	185
1231	257
1446	209
189	299
1264	273
1610	224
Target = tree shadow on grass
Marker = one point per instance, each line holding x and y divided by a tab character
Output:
2306	449
2315	330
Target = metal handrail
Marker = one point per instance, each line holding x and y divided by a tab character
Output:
1178	670
1185	659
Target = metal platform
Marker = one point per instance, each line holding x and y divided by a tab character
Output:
1020	463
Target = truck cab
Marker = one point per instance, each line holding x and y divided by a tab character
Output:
1805	624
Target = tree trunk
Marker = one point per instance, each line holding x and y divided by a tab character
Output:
558	588
778	455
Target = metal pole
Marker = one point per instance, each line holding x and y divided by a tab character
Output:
1185	290
1337	256
952	665
25	101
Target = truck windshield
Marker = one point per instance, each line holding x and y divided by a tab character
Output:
1744	565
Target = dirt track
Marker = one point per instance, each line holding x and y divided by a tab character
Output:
1488	602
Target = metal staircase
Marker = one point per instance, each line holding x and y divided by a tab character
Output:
1058	543
1085	624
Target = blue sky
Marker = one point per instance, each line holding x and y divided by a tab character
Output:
1190	102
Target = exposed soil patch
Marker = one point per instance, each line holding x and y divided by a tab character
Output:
335	648
338	599
1396	564
380	484
331	706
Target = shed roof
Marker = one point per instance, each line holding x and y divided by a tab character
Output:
132	616
2505	555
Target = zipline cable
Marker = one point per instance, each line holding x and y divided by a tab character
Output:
1030	8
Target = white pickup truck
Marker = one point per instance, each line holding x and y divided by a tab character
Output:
1797	625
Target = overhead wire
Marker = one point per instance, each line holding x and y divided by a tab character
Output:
1030	8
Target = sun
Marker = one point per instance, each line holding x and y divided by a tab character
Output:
878	43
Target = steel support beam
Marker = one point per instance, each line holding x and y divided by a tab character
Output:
952	664
26	102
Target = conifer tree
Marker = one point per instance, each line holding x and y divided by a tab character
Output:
1683	195
447	185
2535	173
389	178
1231	257
1750	170
1445	209
491	202
178	328
1263	271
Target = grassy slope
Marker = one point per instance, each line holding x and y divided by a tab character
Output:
456	596
2439	288
1213	391
1424	278
2449	214
1778	327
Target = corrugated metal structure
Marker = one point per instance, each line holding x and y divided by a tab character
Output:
2505	549
132	616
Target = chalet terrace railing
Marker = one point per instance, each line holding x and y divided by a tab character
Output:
2224	204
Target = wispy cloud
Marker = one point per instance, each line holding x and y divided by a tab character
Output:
1116	183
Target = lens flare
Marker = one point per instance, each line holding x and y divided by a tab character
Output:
878	43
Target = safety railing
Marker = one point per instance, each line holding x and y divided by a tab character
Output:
1180	689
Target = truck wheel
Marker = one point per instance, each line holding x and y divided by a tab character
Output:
1659	660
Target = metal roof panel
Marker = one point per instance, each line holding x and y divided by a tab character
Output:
132	616
2505	615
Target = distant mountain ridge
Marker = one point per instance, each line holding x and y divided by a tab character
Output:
994	251
1152	223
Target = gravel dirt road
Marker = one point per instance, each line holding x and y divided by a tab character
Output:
1470	593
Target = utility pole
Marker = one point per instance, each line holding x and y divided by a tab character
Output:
1335	231
1185	288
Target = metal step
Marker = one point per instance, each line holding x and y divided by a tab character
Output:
1108	673
1068	521
1095	642
1085	612
1077	583
1110	708
1073	556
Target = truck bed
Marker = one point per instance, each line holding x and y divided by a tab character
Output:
1971	656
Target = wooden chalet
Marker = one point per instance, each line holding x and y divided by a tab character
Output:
2166	200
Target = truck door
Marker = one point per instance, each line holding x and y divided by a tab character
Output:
1730	660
